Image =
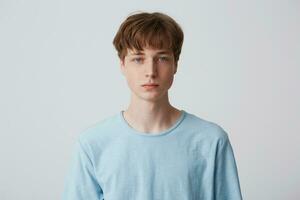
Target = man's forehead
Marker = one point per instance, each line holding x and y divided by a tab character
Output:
145	50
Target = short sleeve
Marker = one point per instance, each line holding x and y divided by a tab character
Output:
80	181
227	185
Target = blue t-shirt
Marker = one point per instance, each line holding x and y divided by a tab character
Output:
192	160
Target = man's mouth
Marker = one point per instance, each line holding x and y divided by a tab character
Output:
150	84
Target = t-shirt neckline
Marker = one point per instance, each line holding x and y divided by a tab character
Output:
150	134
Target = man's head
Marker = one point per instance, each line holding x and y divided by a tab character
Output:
149	45
155	30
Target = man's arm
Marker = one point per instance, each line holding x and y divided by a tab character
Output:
227	185
80	182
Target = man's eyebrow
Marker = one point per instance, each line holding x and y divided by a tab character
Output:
164	52
141	53
137	53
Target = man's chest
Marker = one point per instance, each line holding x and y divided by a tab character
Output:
143	168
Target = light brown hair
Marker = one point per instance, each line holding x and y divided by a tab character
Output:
156	30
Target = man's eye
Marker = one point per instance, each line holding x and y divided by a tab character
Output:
163	58
137	59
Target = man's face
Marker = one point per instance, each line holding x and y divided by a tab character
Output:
154	66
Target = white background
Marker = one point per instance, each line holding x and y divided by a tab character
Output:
59	73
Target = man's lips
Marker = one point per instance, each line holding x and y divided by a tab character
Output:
153	84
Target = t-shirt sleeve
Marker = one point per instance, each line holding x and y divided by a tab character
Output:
227	185
80	181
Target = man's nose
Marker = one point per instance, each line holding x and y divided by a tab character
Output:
151	68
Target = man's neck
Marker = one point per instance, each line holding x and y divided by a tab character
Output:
151	119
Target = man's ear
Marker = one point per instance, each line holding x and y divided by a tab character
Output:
175	68
122	66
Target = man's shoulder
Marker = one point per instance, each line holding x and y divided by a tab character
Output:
204	127
99	130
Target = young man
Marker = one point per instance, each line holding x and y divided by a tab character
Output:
152	150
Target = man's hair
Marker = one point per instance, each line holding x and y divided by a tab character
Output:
155	30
